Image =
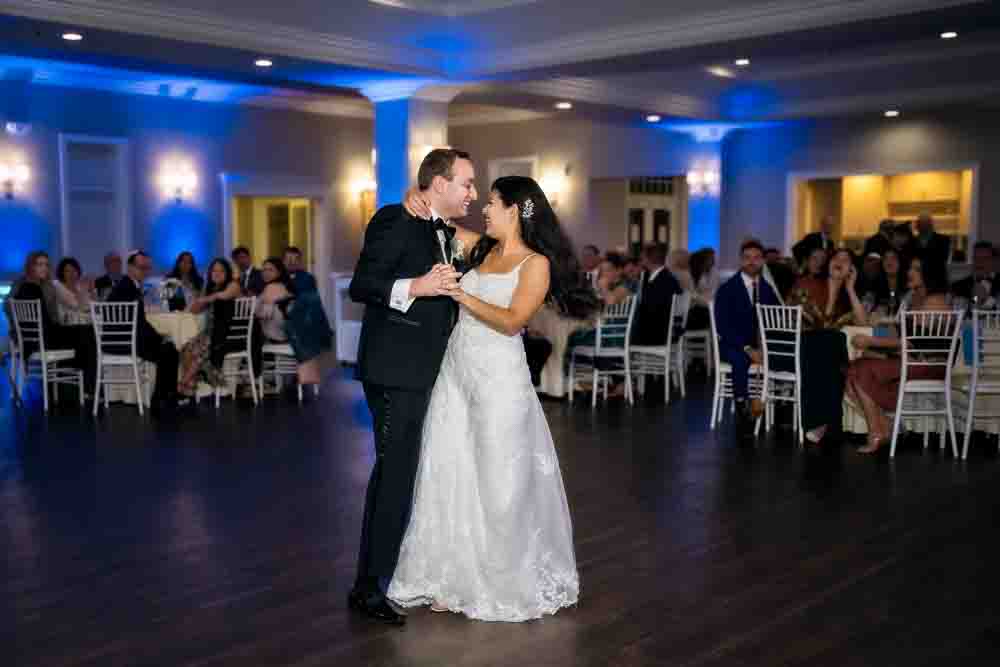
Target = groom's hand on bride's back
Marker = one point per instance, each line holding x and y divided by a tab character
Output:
441	280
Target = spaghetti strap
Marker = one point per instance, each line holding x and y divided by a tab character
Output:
521	263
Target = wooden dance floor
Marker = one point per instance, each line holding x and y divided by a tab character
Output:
230	539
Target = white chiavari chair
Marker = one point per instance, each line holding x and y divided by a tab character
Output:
723	386
115	330
979	393
240	336
666	360
42	363
781	343
929	340
609	355
278	362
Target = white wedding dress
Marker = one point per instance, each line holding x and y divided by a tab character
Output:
490	533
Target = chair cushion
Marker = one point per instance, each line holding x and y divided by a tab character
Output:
589	351
925	385
54	355
116	360
279	348
658	350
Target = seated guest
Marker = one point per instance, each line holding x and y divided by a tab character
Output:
251	280
736	321
112	274
633	273
870	280
302	280
72	293
680	266
590	263
873	384
903	242
829	300
658	290
273	300
882	240
982	287
821	239
612	288
892	289
36	284
150	345
782	276
203	355
705	279
186	272
930	245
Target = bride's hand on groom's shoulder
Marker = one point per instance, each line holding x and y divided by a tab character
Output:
417	204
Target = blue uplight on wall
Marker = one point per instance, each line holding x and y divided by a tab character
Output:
750	101
180	227
23	232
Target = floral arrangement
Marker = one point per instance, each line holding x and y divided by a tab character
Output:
457	249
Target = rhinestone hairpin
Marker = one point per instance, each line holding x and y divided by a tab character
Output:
527	209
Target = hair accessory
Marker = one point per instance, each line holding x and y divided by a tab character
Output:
527	209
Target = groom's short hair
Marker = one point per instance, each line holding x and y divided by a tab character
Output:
439	162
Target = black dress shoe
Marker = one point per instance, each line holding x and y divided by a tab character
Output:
375	607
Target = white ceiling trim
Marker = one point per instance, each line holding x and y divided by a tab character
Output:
597	91
452	9
206	28
737	23
494	115
921	98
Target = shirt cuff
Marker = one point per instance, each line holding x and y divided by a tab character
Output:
399	298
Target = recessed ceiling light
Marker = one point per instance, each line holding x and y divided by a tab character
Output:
653	118
891	113
951	34
564	106
742	62
724	72
263	62
72	36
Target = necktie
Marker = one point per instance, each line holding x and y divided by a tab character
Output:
755	300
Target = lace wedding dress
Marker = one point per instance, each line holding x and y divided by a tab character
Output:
490	534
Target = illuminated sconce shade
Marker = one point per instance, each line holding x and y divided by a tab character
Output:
13	177
702	183
553	184
178	181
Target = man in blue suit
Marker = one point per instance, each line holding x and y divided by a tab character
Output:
736	321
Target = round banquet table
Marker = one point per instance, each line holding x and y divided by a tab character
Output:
556	328
179	327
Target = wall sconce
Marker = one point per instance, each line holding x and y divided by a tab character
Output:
364	189
178	181
13	178
553	184
702	183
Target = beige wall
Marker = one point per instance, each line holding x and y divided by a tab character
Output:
592	151
214	138
757	163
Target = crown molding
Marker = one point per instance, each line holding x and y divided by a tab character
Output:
487	115
597	91
207	28
919	99
324	106
731	24
452	9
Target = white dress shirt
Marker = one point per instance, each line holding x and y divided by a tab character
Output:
399	297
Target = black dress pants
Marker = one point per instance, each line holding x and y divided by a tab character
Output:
398	416
167	358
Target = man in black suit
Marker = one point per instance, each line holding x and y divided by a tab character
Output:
658	289
112	274
150	345
404	278
251	279
931	246
983	285
782	274
881	241
302	280
821	239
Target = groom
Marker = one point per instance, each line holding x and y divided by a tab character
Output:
404	278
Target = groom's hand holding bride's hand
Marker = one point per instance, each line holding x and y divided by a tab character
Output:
441	280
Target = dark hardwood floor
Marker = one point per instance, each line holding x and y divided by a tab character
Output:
229	539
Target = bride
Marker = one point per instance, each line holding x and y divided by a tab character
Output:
490	533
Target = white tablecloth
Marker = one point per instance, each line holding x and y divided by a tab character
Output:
556	329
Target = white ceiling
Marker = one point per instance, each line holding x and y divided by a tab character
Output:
617	58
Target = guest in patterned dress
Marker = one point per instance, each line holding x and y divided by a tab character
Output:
202	356
73	293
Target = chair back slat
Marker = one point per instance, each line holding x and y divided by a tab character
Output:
714	342
614	327
241	326
986	340
115	326
28	323
780	333
929	339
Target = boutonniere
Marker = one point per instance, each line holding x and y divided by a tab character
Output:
458	248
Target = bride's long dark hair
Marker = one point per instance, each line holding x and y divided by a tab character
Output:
542	233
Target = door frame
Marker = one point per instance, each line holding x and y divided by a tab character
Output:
259	184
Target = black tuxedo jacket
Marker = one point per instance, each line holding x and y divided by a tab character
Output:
965	287
147	340
252	282
401	350
653	311
938	249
